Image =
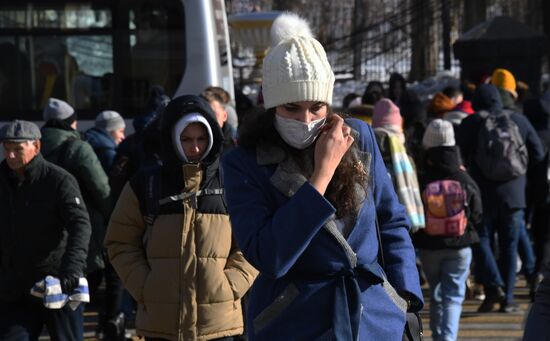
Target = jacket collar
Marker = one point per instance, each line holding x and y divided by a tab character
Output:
443	161
288	178
269	154
192	175
31	172
100	138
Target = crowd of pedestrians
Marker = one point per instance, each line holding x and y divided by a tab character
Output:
201	229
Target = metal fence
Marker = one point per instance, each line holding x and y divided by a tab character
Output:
383	45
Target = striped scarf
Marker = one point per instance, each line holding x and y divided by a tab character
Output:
49	290
406	182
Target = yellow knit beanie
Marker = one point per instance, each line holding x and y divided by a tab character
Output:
504	79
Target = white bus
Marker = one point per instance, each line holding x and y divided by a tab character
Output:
106	54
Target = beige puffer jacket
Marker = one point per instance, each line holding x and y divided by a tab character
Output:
189	279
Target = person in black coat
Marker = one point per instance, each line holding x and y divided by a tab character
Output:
405	99
503	201
537	325
507	87
537	112
45	230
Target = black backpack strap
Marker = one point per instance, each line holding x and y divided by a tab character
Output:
193	196
151	201
147	186
220	177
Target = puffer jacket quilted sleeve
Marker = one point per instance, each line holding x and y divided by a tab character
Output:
239	272
124	242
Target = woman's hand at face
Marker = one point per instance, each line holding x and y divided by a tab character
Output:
331	145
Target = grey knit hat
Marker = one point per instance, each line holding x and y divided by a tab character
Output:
109	120
58	109
439	133
20	131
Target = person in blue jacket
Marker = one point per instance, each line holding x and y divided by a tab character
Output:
305	190
105	137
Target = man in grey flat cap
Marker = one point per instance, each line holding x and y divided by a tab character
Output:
45	231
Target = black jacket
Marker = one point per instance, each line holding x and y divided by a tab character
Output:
443	163
508	194
537	112
45	228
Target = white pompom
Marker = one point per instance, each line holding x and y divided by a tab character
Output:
289	25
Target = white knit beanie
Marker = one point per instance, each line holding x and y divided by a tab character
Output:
296	67
439	133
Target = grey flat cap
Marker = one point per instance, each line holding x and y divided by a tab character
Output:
20	131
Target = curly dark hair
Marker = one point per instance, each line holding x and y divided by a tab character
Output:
341	191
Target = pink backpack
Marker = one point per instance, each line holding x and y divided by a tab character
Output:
445	203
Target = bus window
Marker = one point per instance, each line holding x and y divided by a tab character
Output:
155	48
65	51
51	16
107	54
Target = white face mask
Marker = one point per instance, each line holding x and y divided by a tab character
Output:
298	134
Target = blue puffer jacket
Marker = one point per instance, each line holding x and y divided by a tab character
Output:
315	283
103	145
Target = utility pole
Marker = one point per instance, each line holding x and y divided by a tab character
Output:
424	47
446	20
357	37
475	12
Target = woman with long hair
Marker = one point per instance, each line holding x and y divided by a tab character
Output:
305	190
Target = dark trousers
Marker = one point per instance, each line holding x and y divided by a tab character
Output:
23	320
537	326
541	236
507	223
113	290
526	253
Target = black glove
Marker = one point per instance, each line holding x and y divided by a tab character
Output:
69	282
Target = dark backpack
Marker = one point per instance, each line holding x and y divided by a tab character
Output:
148	190
501	153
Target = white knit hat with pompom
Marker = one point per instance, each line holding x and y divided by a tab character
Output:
296	67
